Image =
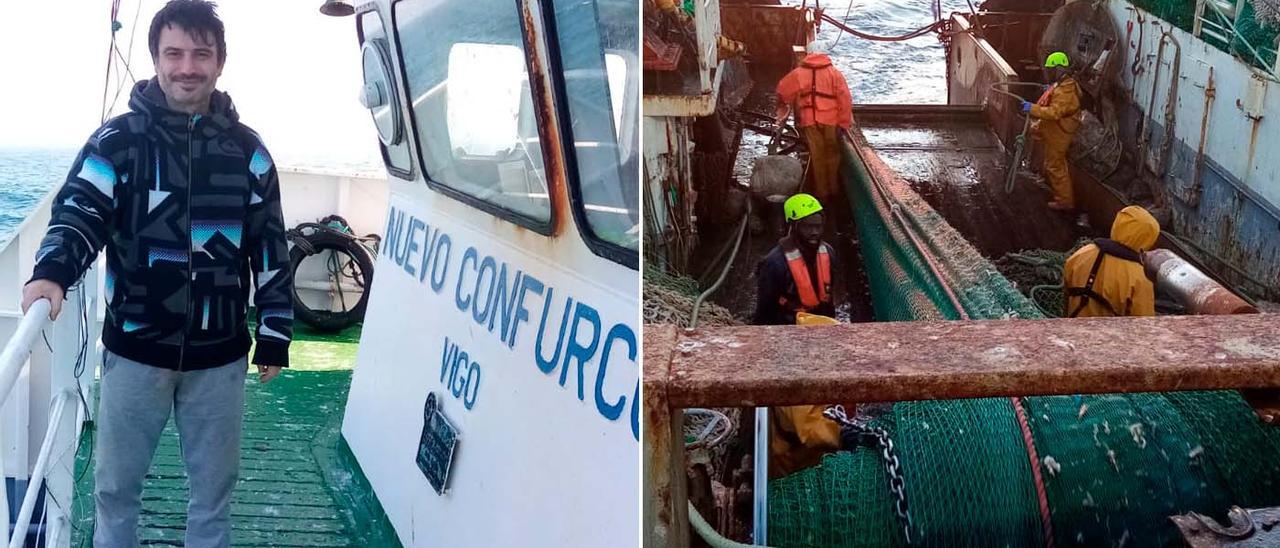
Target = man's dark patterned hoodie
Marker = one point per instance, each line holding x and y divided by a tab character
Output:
187	206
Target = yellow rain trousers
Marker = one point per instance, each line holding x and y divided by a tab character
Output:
799	435
1057	120
824	162
1123	283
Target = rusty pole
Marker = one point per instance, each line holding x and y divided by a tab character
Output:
666	512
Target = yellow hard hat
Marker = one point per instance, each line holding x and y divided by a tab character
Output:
800	206
1056	59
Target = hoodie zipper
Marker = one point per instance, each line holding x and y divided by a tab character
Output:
191	162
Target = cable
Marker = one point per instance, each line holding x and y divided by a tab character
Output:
932	27
106	83
115	48
335	274
133	33
1046	517
1019	149
742	229
1020	143
728	244
997	88
841	33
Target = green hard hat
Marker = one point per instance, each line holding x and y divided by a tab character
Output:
800	206
1056	59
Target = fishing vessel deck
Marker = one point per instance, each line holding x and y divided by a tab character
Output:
298	483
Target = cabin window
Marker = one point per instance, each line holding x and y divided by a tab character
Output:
380	96
597	42
473	111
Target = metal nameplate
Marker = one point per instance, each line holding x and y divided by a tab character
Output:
437	446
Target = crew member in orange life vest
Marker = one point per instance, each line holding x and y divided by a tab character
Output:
820	95
796	275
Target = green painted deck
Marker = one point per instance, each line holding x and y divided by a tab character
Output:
299	485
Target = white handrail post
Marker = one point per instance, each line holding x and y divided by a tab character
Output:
13	362
39	476
66	341
4	488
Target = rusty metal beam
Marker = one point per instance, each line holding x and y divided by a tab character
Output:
701	104
900	361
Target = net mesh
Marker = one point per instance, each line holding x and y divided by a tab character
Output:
669	299
1114	466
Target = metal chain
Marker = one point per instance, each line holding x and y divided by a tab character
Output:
897	482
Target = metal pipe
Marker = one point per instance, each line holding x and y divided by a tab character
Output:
1170	103
1199	293
1197	183
19	538
18	348
317	285
760	479
1144	134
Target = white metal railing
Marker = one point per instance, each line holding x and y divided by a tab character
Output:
55	462
18	349
23	523
1222	28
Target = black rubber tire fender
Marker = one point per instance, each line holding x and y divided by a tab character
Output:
325	320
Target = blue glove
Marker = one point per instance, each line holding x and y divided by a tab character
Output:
1026	107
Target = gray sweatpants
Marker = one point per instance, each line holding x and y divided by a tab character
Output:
134	406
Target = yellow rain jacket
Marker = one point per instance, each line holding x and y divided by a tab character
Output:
1121	282
799	435
1057	118
1060	105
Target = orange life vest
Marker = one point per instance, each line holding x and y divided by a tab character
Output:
818	92
809	299
1046	96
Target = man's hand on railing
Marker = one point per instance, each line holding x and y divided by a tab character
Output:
43	289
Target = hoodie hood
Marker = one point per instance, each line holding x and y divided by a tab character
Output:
148	99
1135	228
816	61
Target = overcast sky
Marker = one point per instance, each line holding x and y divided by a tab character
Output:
293	73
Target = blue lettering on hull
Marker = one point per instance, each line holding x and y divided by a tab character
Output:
499	298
